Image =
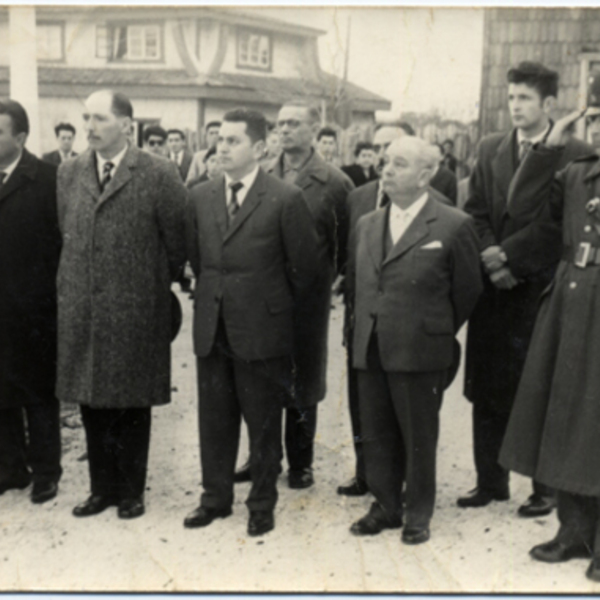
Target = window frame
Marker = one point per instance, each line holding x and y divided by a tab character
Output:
252	67
113	26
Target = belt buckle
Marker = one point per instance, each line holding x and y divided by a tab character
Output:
583	253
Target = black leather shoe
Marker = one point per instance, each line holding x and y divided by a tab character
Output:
93	506
298	480
355	487
374	522
43	491
204	515
260	522
415	535
593	571
243	474
556	551
19	482
479	497
130	508
537	506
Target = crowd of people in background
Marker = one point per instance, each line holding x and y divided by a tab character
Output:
270	224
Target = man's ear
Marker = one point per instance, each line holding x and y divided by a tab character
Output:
549	104
258	149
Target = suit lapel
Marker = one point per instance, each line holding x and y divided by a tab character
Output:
504	164
251	201
89	175
416	231
25	169
219	205
122	175
375	235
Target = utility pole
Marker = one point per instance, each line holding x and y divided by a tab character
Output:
23	75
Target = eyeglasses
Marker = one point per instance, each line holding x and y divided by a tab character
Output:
153	143
291	123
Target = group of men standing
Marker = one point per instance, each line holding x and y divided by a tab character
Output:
266	245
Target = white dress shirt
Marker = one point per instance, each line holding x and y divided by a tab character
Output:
247	182
115	160
534	140
8	170
400	219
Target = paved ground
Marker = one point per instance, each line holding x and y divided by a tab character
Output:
484	550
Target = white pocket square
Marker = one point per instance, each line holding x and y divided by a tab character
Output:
432	245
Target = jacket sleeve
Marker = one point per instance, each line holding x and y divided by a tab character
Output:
476	204
192	243
467	283
170	211
300	244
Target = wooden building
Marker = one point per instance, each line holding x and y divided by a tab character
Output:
564	39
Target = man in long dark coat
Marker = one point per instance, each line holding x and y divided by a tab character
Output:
29	252
122	215
552	434
325	188
519	259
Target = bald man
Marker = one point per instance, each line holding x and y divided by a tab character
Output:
417	280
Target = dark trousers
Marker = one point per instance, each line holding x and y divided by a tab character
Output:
229	388
399	414
300	430
353	405
30	439
579	518
489	428
118	441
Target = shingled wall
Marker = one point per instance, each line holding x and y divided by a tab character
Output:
554	37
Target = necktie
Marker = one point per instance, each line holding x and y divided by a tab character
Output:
524	147
233	206
106	175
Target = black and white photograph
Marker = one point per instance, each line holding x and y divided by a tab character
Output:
299	299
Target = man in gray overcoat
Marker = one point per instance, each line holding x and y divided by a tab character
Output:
121	213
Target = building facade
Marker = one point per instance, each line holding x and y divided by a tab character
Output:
564	39
181	66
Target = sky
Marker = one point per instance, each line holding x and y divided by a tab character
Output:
421	59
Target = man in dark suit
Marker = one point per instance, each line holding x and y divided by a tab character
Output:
122	215
449	160
417	280
178	152
519	259
29	252
363	170
361	201
65	135
444	181
253	248
325	188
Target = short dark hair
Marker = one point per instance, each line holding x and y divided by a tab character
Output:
537	76
154	130
210	152
120	104
256	124
64	127
17	114
178	132
271	127
448	141
362	146
327	132
314	114
212	124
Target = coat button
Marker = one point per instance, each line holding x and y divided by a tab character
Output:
587	228
572	285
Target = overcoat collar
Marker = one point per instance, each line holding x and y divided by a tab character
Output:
594	171
251	201
123	174
314	170
417	231
25	170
